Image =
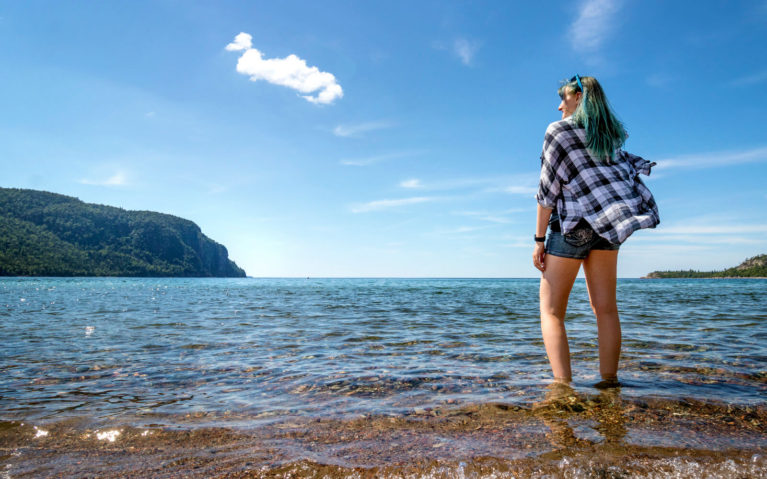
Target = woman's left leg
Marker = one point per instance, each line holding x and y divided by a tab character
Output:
556	282
600	268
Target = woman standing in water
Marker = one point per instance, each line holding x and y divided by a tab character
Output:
592	198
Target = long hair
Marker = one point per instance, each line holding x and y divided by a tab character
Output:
604	131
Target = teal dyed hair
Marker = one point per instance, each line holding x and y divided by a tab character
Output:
604	131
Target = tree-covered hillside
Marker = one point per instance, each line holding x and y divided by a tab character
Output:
47	234
755	267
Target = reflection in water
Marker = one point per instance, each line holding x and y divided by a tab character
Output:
562	405
610	415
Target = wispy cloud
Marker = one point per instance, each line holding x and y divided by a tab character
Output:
710	160
753	79
517	241
387	204
465	50
119	178
460	230
704	240
216	188
521	190
356	130
492	216
411	183
659	80
593	25
371	160
515	184
290	71
723	229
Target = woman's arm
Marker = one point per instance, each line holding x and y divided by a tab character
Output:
542	222
544	215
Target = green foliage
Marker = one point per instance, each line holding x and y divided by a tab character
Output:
755	267
47	234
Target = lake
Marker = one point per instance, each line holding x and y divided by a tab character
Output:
84	356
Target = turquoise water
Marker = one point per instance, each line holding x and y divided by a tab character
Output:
219	349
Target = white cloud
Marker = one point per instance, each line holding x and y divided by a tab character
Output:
521	190
710	160
703	229
753	79
493	217
120	178
461	47
411	183
707	240
290	71
465	50
377	159
355	130
386	204
521	184
243	41
593	25
459	230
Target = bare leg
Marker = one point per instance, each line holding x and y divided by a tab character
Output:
600	268
556	282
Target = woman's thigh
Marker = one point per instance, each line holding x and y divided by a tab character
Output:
556	282
601	269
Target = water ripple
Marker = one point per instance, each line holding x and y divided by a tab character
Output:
116	346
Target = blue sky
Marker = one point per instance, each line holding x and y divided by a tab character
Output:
400	138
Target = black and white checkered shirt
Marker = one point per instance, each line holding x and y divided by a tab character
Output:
610	197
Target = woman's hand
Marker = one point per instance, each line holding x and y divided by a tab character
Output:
538	254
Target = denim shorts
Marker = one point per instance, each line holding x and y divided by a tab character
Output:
577	243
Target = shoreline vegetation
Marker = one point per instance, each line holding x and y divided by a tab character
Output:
755	268
48	234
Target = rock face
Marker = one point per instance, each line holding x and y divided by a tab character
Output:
755	267
47	234
755	262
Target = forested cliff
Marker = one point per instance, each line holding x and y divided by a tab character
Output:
47	234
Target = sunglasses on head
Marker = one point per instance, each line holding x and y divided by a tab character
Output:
578	79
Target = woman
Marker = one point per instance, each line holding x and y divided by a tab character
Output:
591	196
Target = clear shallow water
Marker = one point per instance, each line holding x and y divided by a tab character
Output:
216	348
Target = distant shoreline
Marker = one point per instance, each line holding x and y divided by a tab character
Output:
754	267
711	277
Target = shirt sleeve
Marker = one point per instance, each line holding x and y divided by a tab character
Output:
639	164
549	186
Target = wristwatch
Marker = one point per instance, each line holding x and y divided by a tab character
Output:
539	239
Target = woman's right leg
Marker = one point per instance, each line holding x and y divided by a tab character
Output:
600	268
556	282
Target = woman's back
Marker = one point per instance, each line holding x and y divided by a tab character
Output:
606	193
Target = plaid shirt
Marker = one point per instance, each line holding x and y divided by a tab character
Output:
609	196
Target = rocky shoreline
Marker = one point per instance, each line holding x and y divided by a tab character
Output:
582	435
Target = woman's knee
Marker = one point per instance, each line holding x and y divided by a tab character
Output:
604	308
